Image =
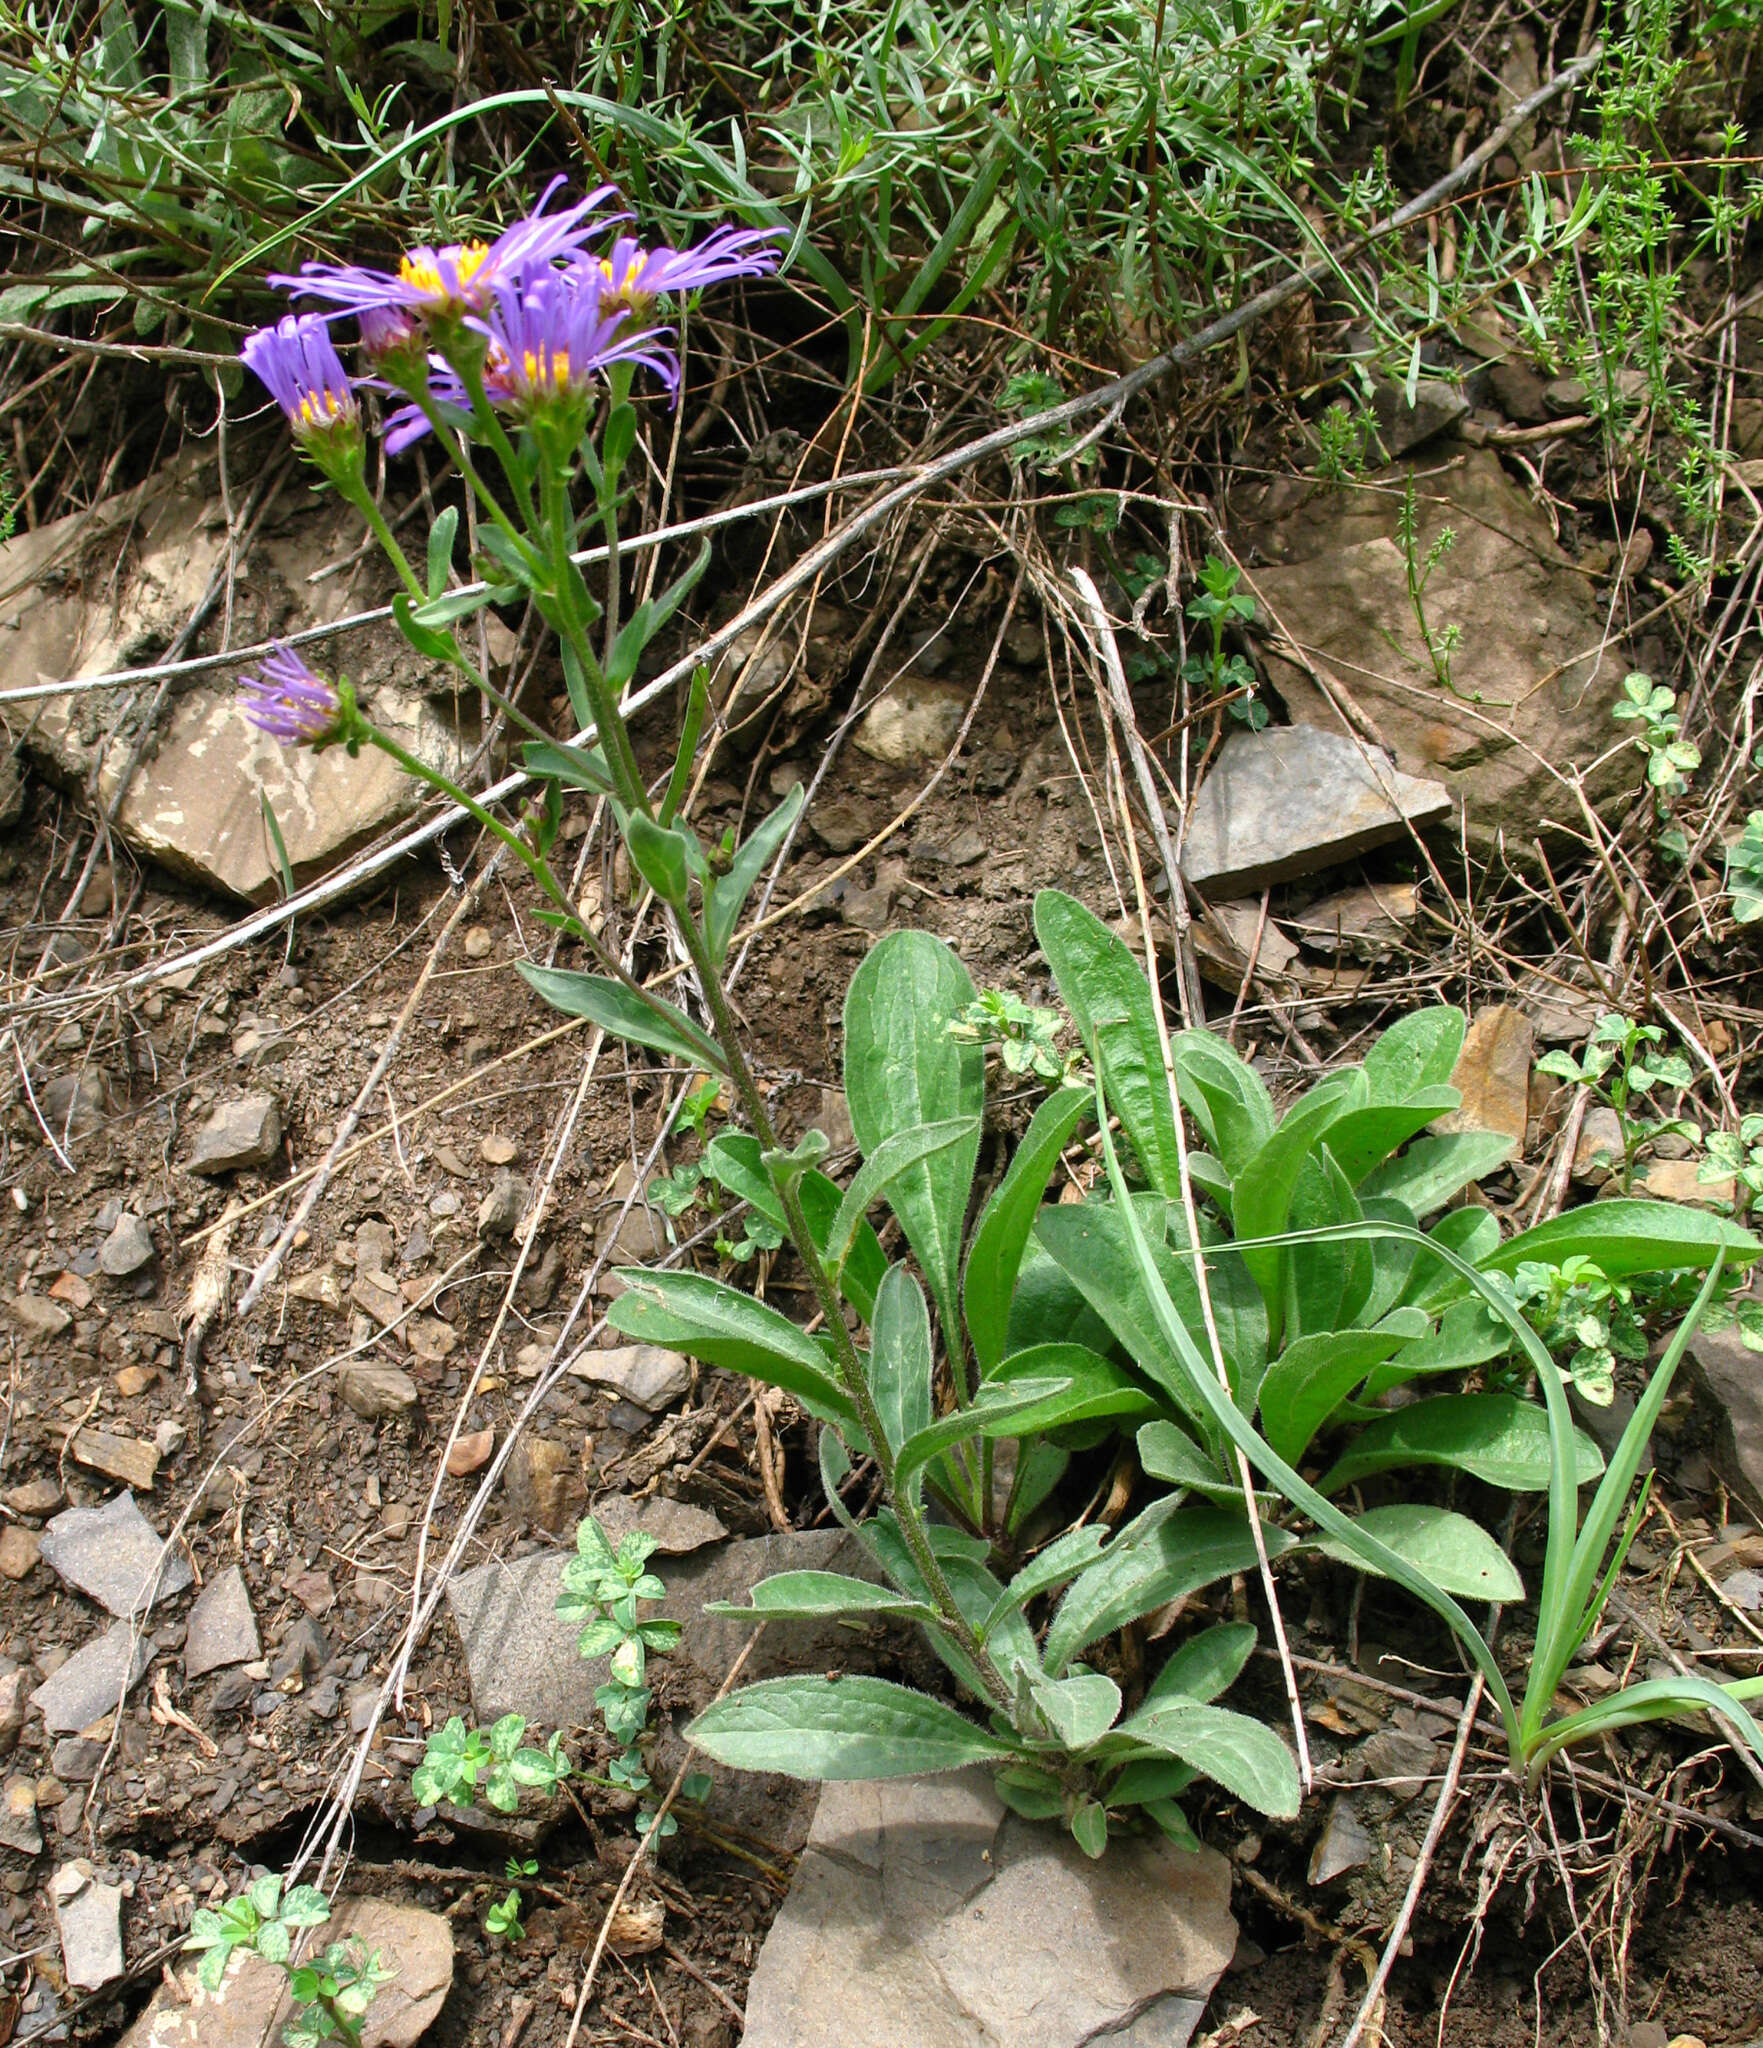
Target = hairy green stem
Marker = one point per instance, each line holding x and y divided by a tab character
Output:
849	1367
610	728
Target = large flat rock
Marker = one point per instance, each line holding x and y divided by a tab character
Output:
522	1656
115	1555
196	801
1295	799
251	2006
923	1912
1535	669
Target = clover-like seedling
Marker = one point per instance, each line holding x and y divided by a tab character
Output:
1671	759
606	1588
260	1919
458	1756
1744	871
1621	1068
332	1994
1026	1037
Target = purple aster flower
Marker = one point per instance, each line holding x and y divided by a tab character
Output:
461	276
298	363
550	339
283	698
635	276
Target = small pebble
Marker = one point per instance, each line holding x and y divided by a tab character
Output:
477	943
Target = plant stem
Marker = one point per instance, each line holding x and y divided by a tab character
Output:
611	731
849	1367
362	499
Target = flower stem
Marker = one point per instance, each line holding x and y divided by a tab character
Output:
849	1367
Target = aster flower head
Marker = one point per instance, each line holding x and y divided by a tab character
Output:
440	284
393	341
550	340
636	276
298	364
283	698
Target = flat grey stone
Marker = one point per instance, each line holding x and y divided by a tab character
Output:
113	1554
677	1527
92	1681
14	1688
643	1373
912	720
1293	800
89	1917
1344	1844
1745	1591
376	1390
222	1629
503	1207
18	1818
522	1658
1534	673
75	1761
923	1912
1401	426
251	2005
247	1131
1731	1381
127	1249
37	1316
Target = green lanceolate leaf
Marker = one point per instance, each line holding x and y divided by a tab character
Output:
994	1257
1449	1548
1432	1170
894	1162
1205	1665
1307	1382
1061	1561
1163	1553
1416	1053
1624	1237
440	555
838	1729
1493	1437
1094	1387
1364	1138
810	1596
994	1411
431	644
1080	1709
705	1319
728	895
902	1071
1241	1754
1167	1452
1265	1186
617	1009
900	1358
1090	1243
1110	1002
578	767
1226	1098
664	856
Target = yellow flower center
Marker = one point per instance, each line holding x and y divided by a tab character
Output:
423	270
629	286
320	409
